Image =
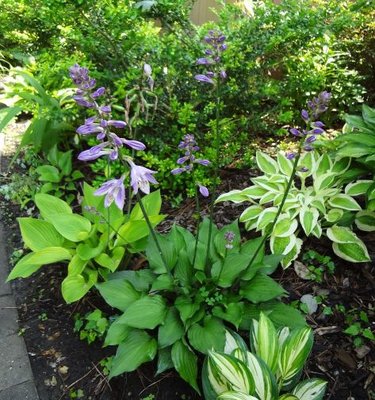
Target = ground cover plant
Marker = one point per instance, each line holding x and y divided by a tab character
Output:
173	295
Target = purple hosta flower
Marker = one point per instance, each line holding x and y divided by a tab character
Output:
290	156
98	92
319	104
114	191
310	139
140	178
295	132
204	61
229	238
95	152
204	78
203	190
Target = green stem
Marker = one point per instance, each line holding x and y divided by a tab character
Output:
216	167
199	218
153	234
280	209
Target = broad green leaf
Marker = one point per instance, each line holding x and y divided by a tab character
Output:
168	254
151	203
323	165
23	268
117	333
48	173
137	349
210	336
7	114
186	363
358	188
232	313
38	234
186	307
73	227
345	202
164	360
365	221
353	252
141	280
253	192
233	265
118	293
74	287
76	265
261	288
288	396
308	218
264	342
146	313
183	270
132	231
221	243
227	373
266	163
310	389
49	206
171	330
163	282
111	261
283	315
87	252
235	196
294	353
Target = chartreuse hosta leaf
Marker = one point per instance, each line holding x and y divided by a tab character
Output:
227	373
49	206
347	245
308	218
264	380
74	287
264	341
293	355
118	293
310	389
236	396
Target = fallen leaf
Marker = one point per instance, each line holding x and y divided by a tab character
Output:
310	302
301	270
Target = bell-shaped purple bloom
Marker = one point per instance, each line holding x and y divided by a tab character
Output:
117	124
98	92
134	144
295	132
204	78
89	128
81	101
178	171
202	162
223	74
105	109
204	61
203	190
305	115
311	139
290	156
94	152
141	177
114	191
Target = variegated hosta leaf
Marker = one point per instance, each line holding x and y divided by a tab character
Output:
226	373
317	231
235	396
341	234
310	389
233	341
251	213
254	192
345	202
323	165
288	396
266	163
308	218
264	341
267	198
365	221
306	161
285	165
285	226
290	247
358	188
235	196
294	353
334	215
265	383
324	181
282	335
341	166
263	182
266	217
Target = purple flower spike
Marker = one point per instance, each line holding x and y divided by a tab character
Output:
204	78
141	178
114	191
203	190
134	144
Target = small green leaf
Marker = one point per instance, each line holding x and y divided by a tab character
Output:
308	218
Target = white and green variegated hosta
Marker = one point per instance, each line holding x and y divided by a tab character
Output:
275	364
318	201
90	246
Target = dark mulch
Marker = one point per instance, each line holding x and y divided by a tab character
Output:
63	364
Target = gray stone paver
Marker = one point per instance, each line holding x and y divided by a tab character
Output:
16	377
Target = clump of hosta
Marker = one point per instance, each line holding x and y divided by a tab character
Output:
318	204
270	371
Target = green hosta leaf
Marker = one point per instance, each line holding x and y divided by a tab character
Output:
345	202
263	182
113	261
146	313
49	206
38	234
365	221
293	254
76	265
265	383
334	215
172	329
264	341
186	307
266	163
294	353
132	231
250	213
233	265
220	242
317	231
151	203
358	188
183	270
284	226
118	293
48	173
137	348
285	165
283	315
210	336
164	360
232	313
310	389
117	333
235	396
74	287
154	257
308	218
306	161
353	252
186	363
73	227
227	373
235	196
261	288
23	268
141	280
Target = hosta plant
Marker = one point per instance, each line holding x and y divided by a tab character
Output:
93	244
180	304
318	204
270	371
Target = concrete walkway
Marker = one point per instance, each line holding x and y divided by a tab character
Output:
16	377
